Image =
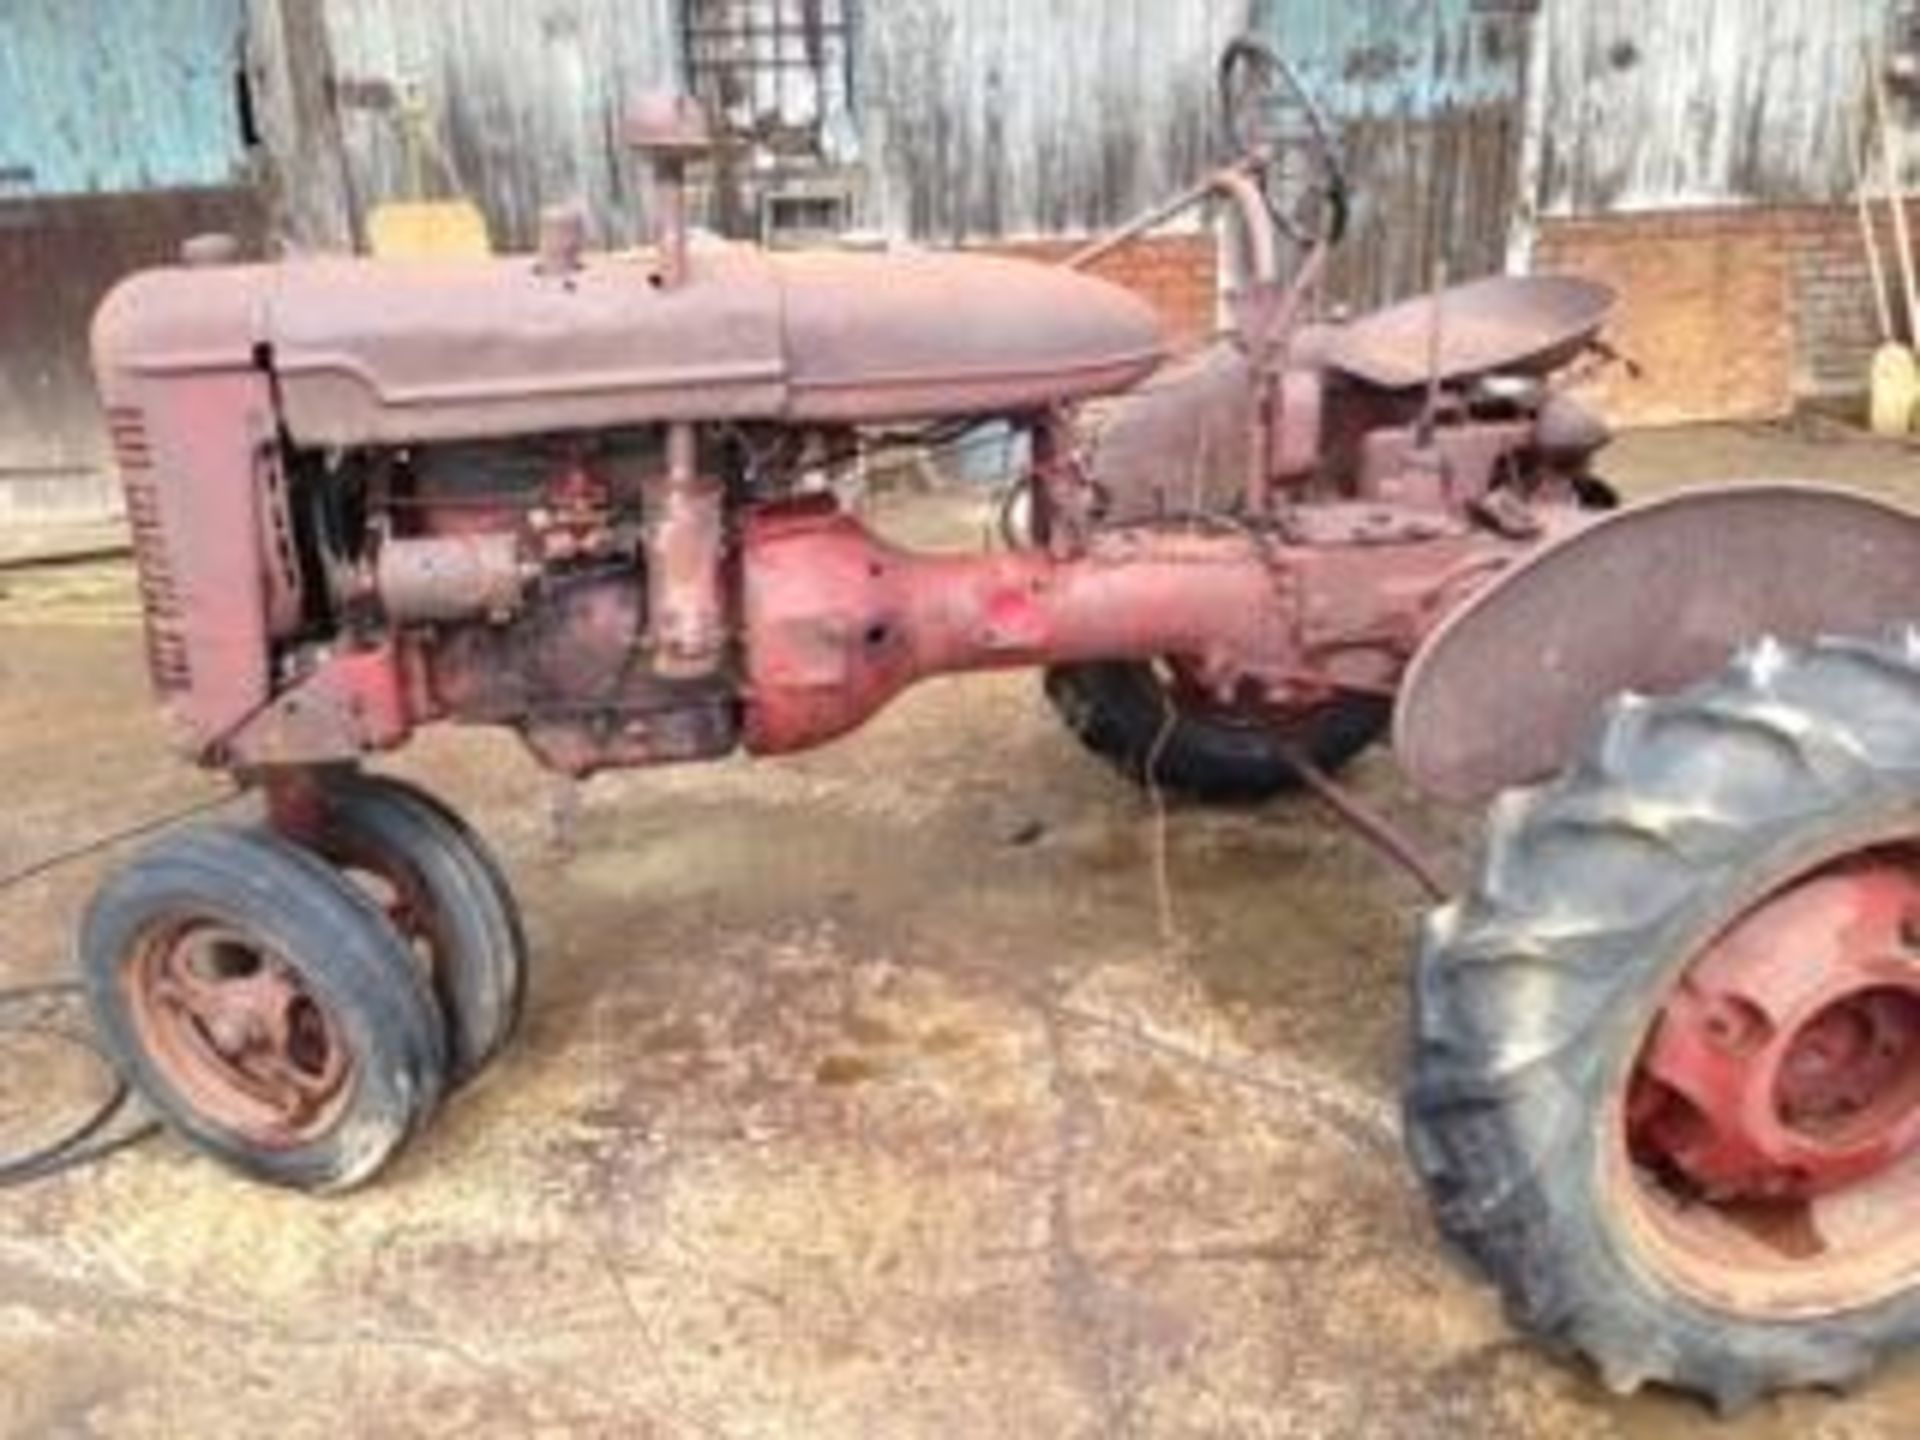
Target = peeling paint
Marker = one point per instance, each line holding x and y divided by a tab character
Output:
105	96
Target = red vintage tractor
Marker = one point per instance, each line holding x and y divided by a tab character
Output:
1666	1084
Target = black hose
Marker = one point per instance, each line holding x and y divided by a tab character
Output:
93	1136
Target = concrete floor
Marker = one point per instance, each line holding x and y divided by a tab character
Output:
872	1093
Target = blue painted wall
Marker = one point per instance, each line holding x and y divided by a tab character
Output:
1381	59
104	96
1429	96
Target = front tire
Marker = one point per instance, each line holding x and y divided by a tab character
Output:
448	897
1551	999
264	1006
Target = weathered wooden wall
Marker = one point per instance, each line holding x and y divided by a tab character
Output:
975	118
972	119
979	118
1000	118
528	98
1656	105
1429	96
107	96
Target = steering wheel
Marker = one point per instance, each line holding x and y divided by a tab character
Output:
1273	120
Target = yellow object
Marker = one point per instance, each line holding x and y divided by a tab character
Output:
418	228
423	229
1894	390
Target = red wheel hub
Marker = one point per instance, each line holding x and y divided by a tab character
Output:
235	1029
1786	1064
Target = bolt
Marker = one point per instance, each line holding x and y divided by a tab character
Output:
1735	1027
1910	933
233	1032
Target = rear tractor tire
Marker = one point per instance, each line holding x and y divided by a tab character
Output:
1665	1089
264	1006
1138	720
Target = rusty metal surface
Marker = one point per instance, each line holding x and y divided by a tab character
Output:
836	622
372	352
1522	323
567	674
670	130
1179	443
1762	1159
594	606
188	445
439	578
1113	108
1648	599
57	258
351	702
872	338
686	563
237	1031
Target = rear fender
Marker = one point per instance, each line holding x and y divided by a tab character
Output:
1647	599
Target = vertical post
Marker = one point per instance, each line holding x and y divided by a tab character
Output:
685	510
670	130
289	70
686	597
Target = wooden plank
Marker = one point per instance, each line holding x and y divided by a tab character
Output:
290	73
979	118
527	101
1652	106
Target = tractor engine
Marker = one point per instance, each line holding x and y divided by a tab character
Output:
534	491
573	588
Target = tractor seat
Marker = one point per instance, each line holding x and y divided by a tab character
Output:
1524	323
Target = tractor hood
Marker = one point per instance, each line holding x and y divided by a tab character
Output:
385	352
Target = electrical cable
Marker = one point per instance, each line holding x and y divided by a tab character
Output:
60	858
93	1136
32	1010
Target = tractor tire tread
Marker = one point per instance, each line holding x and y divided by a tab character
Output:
1528	986
482	990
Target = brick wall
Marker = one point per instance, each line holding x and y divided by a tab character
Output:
1176	274
1734	314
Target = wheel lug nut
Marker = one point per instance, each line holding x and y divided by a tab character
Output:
231	1034
1910	933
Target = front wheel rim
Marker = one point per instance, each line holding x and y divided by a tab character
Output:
232	1027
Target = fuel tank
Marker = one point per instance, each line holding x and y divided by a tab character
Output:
383	352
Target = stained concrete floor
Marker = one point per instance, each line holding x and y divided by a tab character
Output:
879	1092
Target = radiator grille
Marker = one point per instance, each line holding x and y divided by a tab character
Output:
159	592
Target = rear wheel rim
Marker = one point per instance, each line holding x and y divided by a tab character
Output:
1766	1149
231	1025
